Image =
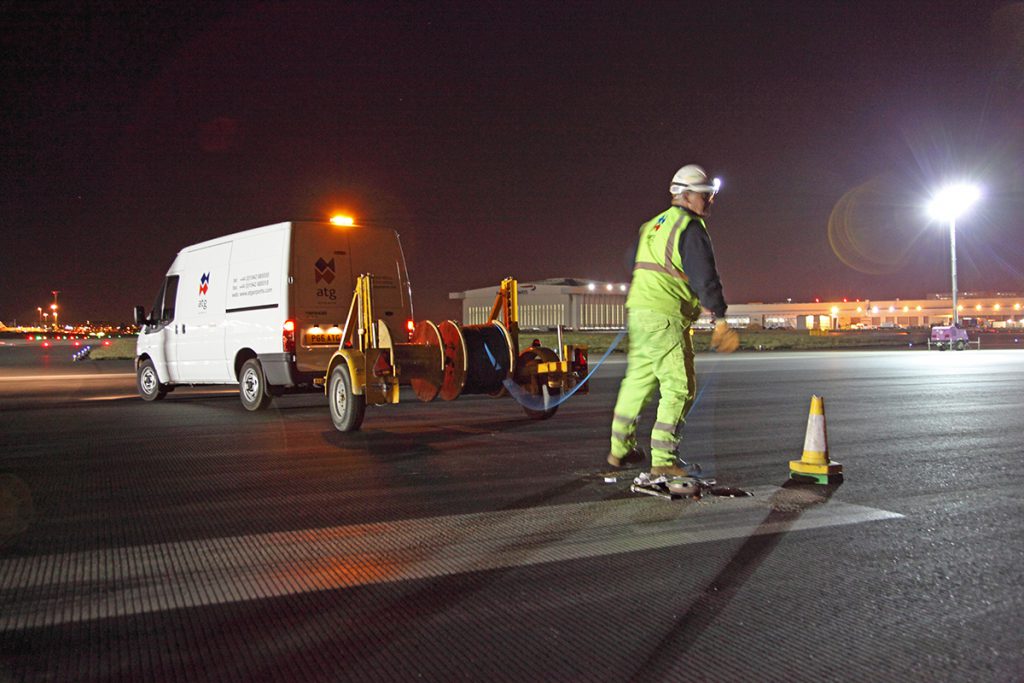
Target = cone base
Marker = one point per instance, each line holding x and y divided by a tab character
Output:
814	468
823	479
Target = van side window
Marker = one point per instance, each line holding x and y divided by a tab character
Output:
170	295
163	306
157	311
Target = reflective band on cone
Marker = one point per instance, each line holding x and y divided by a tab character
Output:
814	463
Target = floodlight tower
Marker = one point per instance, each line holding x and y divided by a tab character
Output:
948	204
53	306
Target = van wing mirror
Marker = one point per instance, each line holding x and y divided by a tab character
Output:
140	316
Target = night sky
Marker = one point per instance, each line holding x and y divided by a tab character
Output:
525	139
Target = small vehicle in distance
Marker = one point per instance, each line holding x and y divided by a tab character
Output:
945	337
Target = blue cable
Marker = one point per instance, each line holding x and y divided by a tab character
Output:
539	403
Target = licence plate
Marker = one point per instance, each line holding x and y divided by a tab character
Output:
312	339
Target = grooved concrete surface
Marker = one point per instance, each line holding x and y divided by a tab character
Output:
190	540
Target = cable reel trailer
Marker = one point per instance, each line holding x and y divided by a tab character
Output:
446	360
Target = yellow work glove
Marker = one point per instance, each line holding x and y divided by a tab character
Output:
724	339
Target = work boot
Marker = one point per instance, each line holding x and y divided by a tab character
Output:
670	471
634	456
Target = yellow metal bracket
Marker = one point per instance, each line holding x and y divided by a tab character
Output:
506	304
366	347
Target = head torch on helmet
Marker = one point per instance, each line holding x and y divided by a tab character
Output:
693	178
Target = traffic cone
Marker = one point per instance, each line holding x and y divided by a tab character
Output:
814	466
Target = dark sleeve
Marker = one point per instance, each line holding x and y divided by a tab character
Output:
699	265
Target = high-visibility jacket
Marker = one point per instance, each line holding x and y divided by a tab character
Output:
659	283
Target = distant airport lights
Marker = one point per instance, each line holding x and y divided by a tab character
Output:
610	287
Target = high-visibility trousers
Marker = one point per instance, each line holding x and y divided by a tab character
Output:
660	357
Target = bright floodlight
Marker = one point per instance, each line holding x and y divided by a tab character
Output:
953	201
343	220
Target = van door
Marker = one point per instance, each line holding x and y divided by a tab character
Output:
321	267
378	251
199	328
157	338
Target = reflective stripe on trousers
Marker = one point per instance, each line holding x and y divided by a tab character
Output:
660	357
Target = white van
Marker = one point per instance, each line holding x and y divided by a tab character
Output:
265	308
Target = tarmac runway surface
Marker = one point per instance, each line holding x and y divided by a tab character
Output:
190	540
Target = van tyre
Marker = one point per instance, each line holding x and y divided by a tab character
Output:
148	383
960	346
252	386
347	408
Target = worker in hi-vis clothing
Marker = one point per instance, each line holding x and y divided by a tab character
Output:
673	277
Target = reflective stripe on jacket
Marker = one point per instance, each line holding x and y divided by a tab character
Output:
659	283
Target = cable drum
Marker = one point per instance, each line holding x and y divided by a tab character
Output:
489	359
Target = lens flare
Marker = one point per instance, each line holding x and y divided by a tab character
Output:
869	231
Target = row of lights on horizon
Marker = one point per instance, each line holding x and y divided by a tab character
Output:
835	309
906	309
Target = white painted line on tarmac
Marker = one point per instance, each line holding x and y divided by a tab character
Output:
199	392
122	582
54	378
119	397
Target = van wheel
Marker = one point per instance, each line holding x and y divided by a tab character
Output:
347	408
252	386
148	383
960	346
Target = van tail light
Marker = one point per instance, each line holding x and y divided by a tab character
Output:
410	327
288	336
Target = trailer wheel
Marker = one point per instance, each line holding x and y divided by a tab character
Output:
148	383
252	386
528	360
960	345
541	414
347	408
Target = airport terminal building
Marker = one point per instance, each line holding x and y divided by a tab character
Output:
581	304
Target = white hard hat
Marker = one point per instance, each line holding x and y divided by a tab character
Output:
693	178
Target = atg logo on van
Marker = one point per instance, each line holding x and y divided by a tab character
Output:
324	273
324	270
204	286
